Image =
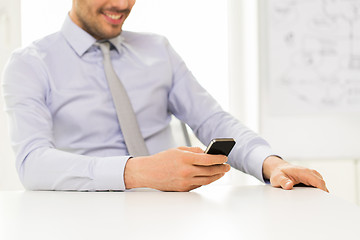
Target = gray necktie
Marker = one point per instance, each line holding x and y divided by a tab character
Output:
126	116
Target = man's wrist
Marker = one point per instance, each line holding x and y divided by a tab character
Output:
270	164
131	172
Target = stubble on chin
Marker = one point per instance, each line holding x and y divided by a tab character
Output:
98	28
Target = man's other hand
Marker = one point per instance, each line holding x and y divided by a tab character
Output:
285	175
179	169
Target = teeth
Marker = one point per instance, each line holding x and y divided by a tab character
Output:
115	17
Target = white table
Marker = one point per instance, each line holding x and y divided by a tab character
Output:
212	212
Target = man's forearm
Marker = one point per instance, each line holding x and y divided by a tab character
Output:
52	169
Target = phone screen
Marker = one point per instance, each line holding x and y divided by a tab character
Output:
220	146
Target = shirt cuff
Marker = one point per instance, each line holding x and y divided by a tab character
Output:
256	160
109	173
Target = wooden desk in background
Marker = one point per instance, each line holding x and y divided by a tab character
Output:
211	212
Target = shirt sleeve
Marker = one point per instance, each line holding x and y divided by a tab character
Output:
192	104
39	164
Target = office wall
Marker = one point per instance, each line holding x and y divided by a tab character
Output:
9	40
309	86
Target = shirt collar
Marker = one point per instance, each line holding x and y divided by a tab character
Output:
80	40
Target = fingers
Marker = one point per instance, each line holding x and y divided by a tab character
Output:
317	173
202	171
308	177
196	156
321	181
207	180
316	181
203	159
193	187
208	174
289	176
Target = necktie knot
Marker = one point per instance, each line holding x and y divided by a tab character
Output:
104	46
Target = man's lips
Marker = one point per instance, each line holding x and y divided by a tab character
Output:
113	17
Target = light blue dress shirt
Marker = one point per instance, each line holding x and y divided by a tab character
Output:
63	124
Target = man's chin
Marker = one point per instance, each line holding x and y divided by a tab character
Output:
108	35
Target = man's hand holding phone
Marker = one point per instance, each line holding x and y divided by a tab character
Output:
179	169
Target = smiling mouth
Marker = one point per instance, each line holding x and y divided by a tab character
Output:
113	16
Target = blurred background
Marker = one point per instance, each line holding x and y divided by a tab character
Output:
288	69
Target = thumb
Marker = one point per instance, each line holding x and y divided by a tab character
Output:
283	182
286	183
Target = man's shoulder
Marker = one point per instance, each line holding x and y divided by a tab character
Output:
30	59
39	47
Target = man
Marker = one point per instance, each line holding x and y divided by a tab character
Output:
64	125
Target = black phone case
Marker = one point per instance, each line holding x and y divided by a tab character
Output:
220	147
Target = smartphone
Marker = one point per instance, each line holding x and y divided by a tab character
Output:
220	146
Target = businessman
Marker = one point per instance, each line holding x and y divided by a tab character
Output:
64	117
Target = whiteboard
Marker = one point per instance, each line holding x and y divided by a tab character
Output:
310	77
